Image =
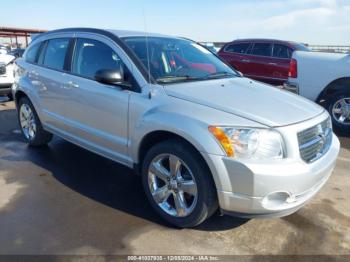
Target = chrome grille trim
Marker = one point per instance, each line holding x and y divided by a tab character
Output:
315	141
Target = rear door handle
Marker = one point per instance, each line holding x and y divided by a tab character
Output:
245	60
272	63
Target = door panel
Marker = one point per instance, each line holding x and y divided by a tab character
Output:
97	113
281	56
235	55
50	76
259	59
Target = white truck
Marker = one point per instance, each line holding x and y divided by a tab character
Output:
325	79
6	74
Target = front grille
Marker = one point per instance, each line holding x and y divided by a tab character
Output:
2	69
315	141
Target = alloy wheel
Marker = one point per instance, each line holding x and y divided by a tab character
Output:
172	185
341	111
27	121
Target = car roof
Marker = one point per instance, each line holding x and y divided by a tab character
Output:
118	33
264	40
127	33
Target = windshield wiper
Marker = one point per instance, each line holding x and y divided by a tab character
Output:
218	75
176	78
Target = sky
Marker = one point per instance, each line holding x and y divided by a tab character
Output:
306	21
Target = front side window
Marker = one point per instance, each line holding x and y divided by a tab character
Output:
91	56
32	53
55	53
177	60
262	49
237	48
281	51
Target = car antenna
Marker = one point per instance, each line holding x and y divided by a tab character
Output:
151	93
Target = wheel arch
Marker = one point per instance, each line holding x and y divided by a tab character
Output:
158	136
18	95
333	87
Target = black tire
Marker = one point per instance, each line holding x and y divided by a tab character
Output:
332	100
206	204
41	136
10	96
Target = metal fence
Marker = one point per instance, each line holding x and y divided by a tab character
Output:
330	48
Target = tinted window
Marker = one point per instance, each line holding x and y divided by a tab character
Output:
237	48
56	52
281	51
262	49
91	56
32	53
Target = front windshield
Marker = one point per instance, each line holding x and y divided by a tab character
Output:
178	60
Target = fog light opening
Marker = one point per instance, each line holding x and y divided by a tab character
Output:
277	199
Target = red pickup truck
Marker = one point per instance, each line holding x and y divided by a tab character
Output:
265	60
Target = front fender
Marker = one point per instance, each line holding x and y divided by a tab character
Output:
194	131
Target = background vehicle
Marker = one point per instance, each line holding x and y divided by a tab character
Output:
3	50
211	47
265	60
18	52
6	74
325	79
201	136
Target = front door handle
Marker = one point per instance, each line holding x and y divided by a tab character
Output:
70	85
245	60
33	72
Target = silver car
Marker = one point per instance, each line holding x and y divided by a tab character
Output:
201	136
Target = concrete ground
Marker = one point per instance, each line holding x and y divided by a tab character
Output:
62	199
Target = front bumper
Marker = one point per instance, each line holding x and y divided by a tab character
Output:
5	89
5	85
271	189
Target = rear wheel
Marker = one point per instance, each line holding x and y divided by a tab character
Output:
178	184
30	124
339	108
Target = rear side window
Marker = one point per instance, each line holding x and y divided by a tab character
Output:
281	51
32	53
237	48
92	55
262	49
55	53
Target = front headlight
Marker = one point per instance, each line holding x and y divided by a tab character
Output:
249	143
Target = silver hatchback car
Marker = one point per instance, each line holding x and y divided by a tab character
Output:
201	136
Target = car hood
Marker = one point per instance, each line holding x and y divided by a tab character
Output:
249	99
5	59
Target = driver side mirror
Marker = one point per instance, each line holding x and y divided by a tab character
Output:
111	77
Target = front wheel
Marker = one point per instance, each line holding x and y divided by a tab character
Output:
339	108
178	184
10	97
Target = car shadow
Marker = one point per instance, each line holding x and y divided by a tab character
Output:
342	134
108	182
93	176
